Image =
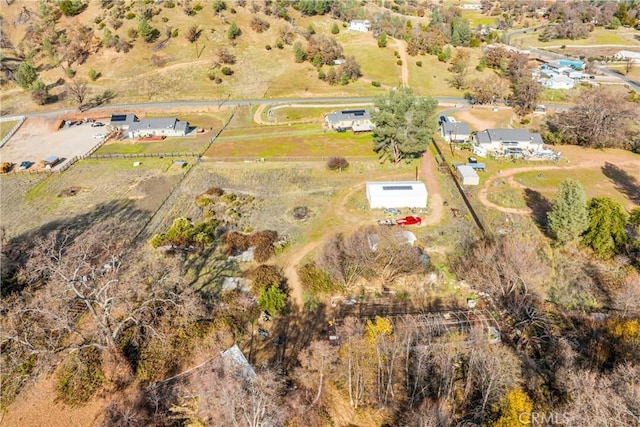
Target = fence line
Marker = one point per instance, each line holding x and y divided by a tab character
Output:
473	213
13	130
283	159
138	155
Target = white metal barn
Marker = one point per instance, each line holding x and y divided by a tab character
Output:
468	175
397	194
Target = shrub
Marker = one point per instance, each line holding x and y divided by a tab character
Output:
259	25
279	44
71	7
375	84
69	72
211	75
226	71
399	62
130	15
197	7
80	377
234	243
273	299
268	47
93	75
40	96
337	163
169	4
419	63
264	276
226	57
219	6
234	31
317	281
322	75
335	29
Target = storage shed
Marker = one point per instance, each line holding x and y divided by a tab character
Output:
397	194
467	175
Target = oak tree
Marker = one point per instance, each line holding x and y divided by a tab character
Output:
404	124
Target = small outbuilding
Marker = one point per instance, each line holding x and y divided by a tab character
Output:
360	25
396	194
468	175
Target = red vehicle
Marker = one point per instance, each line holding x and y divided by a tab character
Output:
409	220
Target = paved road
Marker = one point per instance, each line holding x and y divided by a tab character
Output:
215	103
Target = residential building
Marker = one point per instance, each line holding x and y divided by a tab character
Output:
360	25
559	81
625	55
455	132
136	128
357	120
501	140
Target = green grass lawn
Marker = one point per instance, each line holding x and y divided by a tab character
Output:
5	127
594	182
297	142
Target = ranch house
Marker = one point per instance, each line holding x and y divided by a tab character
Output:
136	128
500	140
356	120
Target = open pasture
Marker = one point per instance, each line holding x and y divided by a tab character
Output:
91	188
289	141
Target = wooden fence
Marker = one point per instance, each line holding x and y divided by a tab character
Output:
139	155
284	159
13	130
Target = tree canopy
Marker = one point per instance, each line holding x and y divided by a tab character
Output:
569	217
606	232
404	124
598	119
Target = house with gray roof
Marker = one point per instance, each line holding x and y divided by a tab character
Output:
356	120
507	139
160	126
455	132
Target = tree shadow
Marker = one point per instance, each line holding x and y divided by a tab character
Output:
540	206
623	181
17	251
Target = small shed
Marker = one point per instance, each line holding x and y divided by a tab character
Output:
467	175
396	194
179	164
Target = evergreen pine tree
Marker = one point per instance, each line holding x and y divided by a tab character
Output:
569	217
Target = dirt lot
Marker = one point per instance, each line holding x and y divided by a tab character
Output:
38	139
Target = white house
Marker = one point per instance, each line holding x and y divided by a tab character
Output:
137	128
624	55
455	132
503	139
158	127
396	194
559	81
360	25
356	120
468	175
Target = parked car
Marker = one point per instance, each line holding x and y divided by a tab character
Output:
99	136
409	220
97	124
443	119
25	165
263	333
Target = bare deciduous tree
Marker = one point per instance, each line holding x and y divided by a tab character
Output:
78	90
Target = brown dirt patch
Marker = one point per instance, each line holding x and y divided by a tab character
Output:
481	118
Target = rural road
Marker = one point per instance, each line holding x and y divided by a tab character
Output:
219	103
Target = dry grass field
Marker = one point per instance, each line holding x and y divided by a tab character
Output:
90	190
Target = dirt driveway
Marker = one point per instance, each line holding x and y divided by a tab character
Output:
38	138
